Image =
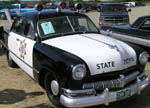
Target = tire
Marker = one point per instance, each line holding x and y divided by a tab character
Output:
55	99
10	62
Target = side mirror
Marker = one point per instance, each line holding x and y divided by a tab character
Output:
129	10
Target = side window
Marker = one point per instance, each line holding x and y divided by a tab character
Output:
145	25
83	23
28	30
17	26
26	26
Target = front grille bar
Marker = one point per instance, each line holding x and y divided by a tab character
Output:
115	83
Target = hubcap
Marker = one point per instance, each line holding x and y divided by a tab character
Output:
54	87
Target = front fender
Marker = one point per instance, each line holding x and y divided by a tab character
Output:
57	60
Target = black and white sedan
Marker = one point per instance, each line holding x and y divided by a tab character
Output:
76	65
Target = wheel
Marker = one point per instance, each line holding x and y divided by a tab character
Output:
52	87
2	16
10	62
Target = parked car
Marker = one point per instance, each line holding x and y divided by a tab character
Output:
129	4
77	66
5	5
20	8
137	33
96	7
113	14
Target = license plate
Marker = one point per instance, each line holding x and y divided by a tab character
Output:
122	94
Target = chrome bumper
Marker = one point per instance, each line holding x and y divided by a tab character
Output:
103	98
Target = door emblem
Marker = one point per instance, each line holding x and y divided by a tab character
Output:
22	49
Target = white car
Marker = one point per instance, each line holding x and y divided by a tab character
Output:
130	4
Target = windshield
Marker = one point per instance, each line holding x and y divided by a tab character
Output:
113	8
65	24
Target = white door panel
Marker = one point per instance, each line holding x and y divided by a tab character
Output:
22	47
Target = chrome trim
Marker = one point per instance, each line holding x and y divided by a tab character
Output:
115	83
73	93
128	38
113	19
104	97
139	86
106	92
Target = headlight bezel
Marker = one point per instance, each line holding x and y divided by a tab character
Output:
75	70
141	59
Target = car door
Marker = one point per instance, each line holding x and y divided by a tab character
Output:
142	31
24	42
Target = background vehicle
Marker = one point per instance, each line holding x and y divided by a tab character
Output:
96	7
5	5
113	14
20	8
137	33
130	4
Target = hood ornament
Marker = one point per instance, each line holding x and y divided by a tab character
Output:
114	47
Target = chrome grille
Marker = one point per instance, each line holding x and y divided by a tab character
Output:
113	18
115	83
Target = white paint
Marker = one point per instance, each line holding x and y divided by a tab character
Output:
14	46
94	49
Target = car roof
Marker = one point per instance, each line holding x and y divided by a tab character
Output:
139	20
146	16
49	13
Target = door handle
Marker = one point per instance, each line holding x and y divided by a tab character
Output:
18	39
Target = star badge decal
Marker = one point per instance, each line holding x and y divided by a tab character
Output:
22	49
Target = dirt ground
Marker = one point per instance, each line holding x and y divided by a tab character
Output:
18	90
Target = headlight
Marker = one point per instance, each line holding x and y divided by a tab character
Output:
143	58
79	72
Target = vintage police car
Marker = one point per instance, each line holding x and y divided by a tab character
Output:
76	65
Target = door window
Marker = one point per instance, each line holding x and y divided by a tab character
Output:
145	25
17	26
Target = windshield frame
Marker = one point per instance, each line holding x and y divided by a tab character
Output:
67	33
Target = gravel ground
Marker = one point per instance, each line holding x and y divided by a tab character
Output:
17	90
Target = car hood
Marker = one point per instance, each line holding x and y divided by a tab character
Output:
102	54
114	14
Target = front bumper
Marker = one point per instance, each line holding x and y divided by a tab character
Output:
105	97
